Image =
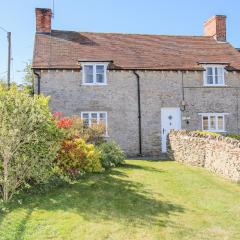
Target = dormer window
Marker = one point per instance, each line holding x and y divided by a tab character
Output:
214	75
94	73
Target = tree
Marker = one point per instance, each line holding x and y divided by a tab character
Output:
28	79
29	140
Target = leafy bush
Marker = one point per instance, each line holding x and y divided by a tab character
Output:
77	157
111	155
74	128
29	140
230	135
208	133
235	136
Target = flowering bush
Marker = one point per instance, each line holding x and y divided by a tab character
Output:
74	128
62	122
65	123
76	157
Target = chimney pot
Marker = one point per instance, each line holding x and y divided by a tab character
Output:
43	20
216	28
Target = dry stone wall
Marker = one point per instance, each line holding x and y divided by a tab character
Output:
218	154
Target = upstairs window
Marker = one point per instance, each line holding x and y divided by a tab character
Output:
214	76
213	122
94	74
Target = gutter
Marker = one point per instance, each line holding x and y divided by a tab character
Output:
139	114
38	81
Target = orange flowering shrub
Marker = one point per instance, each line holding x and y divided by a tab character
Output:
75	128
76	157
76	154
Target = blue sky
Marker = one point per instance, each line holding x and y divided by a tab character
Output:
177	17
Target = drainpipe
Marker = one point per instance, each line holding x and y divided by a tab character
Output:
38	81
183	103
139	114
237	90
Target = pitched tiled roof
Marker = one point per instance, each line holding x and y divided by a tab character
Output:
63	49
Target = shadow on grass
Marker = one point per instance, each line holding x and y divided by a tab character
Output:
19	235
138	167
108	196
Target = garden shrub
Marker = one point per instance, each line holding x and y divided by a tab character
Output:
111	155
77	157
207	133
29	140
77	154
75	128
232	135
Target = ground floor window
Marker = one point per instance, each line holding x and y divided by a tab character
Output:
213	122
90	118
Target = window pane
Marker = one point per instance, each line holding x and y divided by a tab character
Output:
85	115
209	71
220	71
102	115
209	75
205	123
209	79
103	121
220	79
103	118
94	115
219	75
100	73
100	78
86	122
212	122
216	75
94	118
100	69
88	70
220	123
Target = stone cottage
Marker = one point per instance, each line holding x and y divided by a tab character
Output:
140	86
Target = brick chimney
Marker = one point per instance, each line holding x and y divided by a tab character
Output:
43	20
216	28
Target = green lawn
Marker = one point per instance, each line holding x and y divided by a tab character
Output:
143	200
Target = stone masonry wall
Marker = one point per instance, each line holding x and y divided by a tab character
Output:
159	89
218	154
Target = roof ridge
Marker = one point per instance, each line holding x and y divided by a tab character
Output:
139	34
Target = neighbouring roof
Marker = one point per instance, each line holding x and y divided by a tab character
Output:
64	50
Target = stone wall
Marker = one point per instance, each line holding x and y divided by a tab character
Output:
218	154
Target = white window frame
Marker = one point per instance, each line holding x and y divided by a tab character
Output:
216	115
94	65
98	118
213	68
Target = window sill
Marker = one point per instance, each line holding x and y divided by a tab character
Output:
94	84
214	85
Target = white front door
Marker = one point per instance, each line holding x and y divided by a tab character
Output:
170	119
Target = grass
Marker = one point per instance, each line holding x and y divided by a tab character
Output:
142	200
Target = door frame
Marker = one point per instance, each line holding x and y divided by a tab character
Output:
163	147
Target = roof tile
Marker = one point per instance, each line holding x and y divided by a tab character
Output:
63	49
